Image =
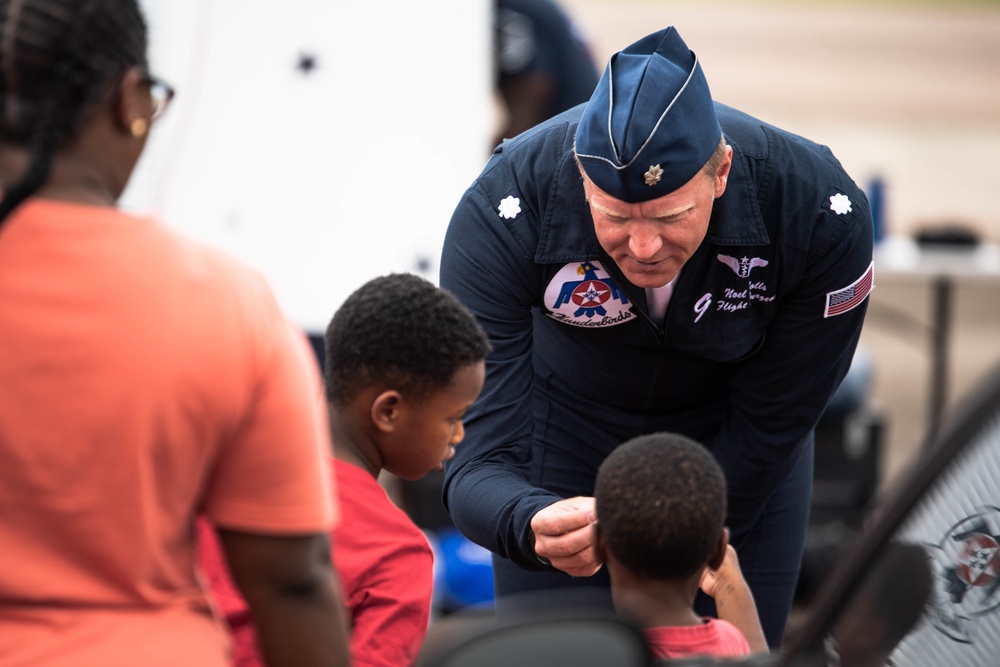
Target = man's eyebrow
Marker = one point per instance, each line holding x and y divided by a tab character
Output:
607	211
672	213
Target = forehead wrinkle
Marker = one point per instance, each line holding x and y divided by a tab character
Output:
649	210
636	210
590	189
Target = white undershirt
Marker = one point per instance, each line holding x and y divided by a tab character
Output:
658	298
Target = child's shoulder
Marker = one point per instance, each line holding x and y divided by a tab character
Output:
364	503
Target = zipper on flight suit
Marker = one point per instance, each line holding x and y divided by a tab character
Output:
659	330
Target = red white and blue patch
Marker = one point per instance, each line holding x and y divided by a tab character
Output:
850	297
582	294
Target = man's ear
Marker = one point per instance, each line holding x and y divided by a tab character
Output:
719	553
133	108
385	410
722	175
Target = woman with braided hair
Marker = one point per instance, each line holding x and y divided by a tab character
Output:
144	379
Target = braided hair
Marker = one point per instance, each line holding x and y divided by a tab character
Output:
58	58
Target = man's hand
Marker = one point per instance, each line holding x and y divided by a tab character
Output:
563	536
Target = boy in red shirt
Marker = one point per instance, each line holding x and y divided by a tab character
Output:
405	360
661	505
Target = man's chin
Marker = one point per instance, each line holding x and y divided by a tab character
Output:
647	279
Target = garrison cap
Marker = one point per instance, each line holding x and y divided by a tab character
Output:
650	125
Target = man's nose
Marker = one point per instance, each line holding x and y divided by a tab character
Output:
644	241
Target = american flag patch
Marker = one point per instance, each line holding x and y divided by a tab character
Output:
845	299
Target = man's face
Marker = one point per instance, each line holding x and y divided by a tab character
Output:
650	241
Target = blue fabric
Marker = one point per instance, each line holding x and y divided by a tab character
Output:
650	125
771	554
463	572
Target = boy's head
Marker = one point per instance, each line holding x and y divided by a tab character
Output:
410	357
661	507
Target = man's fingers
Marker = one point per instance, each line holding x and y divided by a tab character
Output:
563	516
564	537
580	564
564	545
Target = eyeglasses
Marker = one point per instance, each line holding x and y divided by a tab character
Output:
161	93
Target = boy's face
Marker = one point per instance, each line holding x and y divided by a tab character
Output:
427	432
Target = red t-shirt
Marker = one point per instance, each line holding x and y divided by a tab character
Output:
714	637
386	570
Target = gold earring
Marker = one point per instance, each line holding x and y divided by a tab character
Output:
139	127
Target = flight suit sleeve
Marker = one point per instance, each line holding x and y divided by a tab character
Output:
486	263
780	392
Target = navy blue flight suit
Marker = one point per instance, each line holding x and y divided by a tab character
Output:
760	330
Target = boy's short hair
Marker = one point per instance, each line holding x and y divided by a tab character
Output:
661	505
402	331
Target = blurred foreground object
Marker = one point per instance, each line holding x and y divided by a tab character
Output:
575	634
947	505
945	510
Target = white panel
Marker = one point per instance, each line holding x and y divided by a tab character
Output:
323	178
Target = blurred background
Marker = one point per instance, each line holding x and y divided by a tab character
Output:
328	143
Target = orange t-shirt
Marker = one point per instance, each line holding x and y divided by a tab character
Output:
143	379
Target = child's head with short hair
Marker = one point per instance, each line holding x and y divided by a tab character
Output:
661	507
402	330
407	358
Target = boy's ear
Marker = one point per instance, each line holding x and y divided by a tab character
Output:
595	539
385	410
719	554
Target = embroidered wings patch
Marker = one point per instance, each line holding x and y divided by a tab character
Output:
843	300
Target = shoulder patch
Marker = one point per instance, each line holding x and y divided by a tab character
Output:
840	301
509	207
840	204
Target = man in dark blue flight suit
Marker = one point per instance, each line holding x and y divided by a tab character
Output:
636	274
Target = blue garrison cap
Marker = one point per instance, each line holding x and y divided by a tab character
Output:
650	125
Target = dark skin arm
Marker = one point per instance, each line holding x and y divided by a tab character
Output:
290	585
